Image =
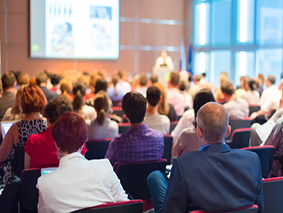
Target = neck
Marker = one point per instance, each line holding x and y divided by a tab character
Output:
43	85
152	110
8	90
33	116
138	124
170	86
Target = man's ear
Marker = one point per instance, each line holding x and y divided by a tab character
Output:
199	133
228	131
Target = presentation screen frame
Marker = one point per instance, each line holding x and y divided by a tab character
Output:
60	30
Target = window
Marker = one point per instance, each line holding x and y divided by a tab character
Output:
244	65
201	22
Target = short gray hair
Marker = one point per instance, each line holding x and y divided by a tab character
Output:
213	120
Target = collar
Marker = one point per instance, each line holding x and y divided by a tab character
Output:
218	147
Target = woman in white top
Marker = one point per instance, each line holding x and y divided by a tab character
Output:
252	95
87	112
102	127
77	183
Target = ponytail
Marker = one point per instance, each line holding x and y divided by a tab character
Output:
101	115
78	101
101	106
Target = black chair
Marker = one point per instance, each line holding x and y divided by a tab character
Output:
168	143
253	108
96	149
28	195
265	154
133	177
240	138
118	111
123	127
237	124
249	209
173	124
131	206
116	103
18	161
272	194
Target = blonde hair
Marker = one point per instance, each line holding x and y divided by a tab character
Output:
101	106
15	110
163	107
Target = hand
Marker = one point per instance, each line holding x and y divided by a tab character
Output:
253	115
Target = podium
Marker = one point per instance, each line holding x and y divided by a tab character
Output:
163	74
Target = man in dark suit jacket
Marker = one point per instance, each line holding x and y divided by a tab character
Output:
41	80
215	178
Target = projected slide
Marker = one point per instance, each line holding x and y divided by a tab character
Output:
87	29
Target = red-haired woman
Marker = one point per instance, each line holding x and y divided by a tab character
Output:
31	104
77	183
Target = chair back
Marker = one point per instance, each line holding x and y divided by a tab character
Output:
28	195
18	161
123	127
118	111
240	138
253	108
173	124
96	149
250	209
272	194
131	206
168	143
265	154
116	103
133	177
237	124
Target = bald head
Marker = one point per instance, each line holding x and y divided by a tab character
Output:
213	122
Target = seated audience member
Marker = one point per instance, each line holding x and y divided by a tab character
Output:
23	79
142	86
153	79
41	80
102	127
174	96
193	90
269	101
14	113
196	175
40	148
114	93
184	135
237	108
55	80
187	97
203	79
87	112
100	85
165	108
8	95
252	95
152	117
77	183
240	92
218	95
122	84
139	143
31	104
260	79
66	88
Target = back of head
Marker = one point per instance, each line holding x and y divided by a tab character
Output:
252	84
154	79
55	79
41	78
153	95
57	107
213	121
261	77
134	106
100	85
163	107
32	100
197	78
79	91
271	79
227	88
66	86
115	80
143	80
69	132
183	86
85	79
23	79
101	106
120	74
174	78
8	80
15	109
202	97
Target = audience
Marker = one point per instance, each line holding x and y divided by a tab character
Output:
102	127
87	112
40	150
66	88
139	143
184	135
100	85
174	96
41	80
55	80
165	108
152	117
23	79
187	97
122	84
153	79
196	175
77	183
31	104
252	95
193	90
114	93
237	108
8	95
142	86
